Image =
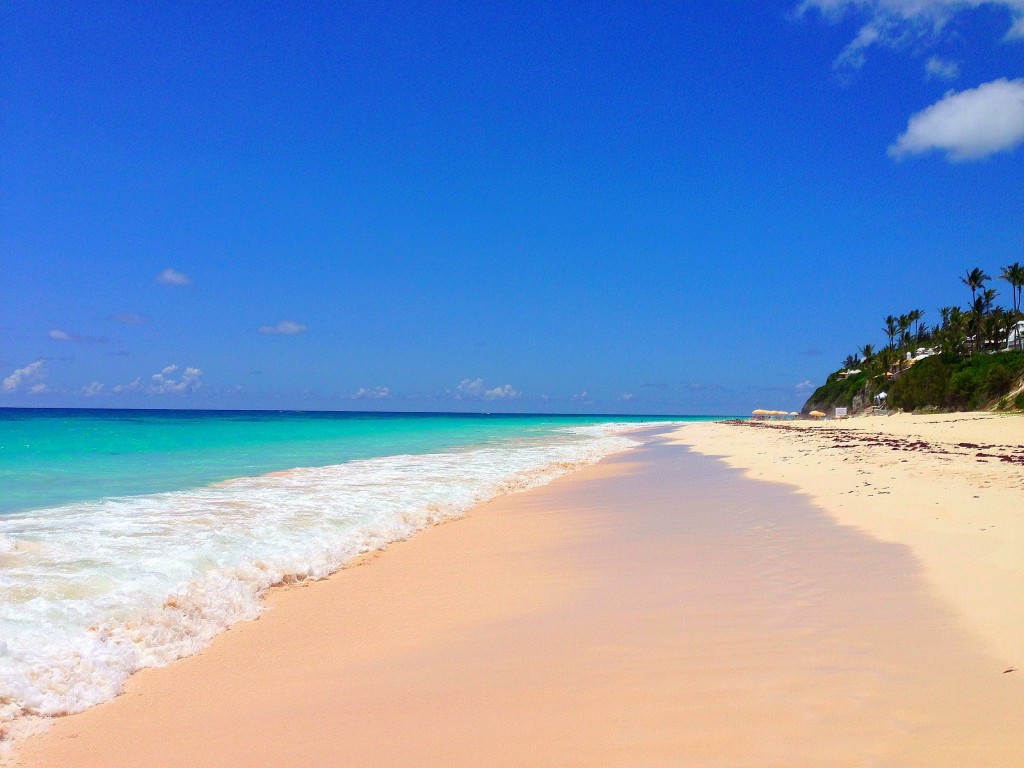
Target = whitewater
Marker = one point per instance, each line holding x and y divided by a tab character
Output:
94	590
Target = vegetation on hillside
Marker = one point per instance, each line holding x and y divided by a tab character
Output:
960	363
948	383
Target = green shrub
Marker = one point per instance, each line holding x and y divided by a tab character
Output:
836	391
927	383
998	380
964	385
944	381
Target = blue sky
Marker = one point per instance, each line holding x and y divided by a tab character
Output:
649	207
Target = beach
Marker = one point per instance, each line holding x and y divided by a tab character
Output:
950	487
790	603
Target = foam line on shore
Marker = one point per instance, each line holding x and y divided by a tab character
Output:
95	591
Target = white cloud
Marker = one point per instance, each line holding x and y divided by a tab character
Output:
941	69
967	125
58	335
22	376
283	328
173	277
132	387
377	393
163	384
804	385
37	389
627	396
507	392
129	318
92	389
896	23
469	388
474	389
582	397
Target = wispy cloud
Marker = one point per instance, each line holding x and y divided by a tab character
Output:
804	385
967	125
23	376
58	335
474	389
163	384
130	318
940	69
38	389
133	386
698	386
91	390
898	23
378	393
582	397
627	396
173	277
283	328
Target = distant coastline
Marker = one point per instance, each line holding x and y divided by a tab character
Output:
972	359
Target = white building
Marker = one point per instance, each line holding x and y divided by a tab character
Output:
1015	339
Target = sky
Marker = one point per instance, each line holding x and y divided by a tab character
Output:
670	208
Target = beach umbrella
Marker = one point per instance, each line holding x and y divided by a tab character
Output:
817	414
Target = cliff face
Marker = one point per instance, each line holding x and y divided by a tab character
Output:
850	392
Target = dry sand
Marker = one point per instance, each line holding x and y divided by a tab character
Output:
655	610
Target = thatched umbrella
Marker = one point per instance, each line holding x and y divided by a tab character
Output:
817	415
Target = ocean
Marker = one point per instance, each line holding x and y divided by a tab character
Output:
131	538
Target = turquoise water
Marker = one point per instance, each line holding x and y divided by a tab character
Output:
131	538
50	457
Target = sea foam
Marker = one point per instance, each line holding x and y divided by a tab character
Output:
91	592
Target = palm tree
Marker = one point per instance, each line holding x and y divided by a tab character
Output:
978	312
867	352
1014	275
957	331
989	295
996	326
887	360
922	334
915	316
951	335
975	279
904	323
891	328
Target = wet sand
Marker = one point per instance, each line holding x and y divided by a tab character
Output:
657	609
950	487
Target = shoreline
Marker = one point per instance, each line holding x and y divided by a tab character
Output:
603	619
950	487
219	548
